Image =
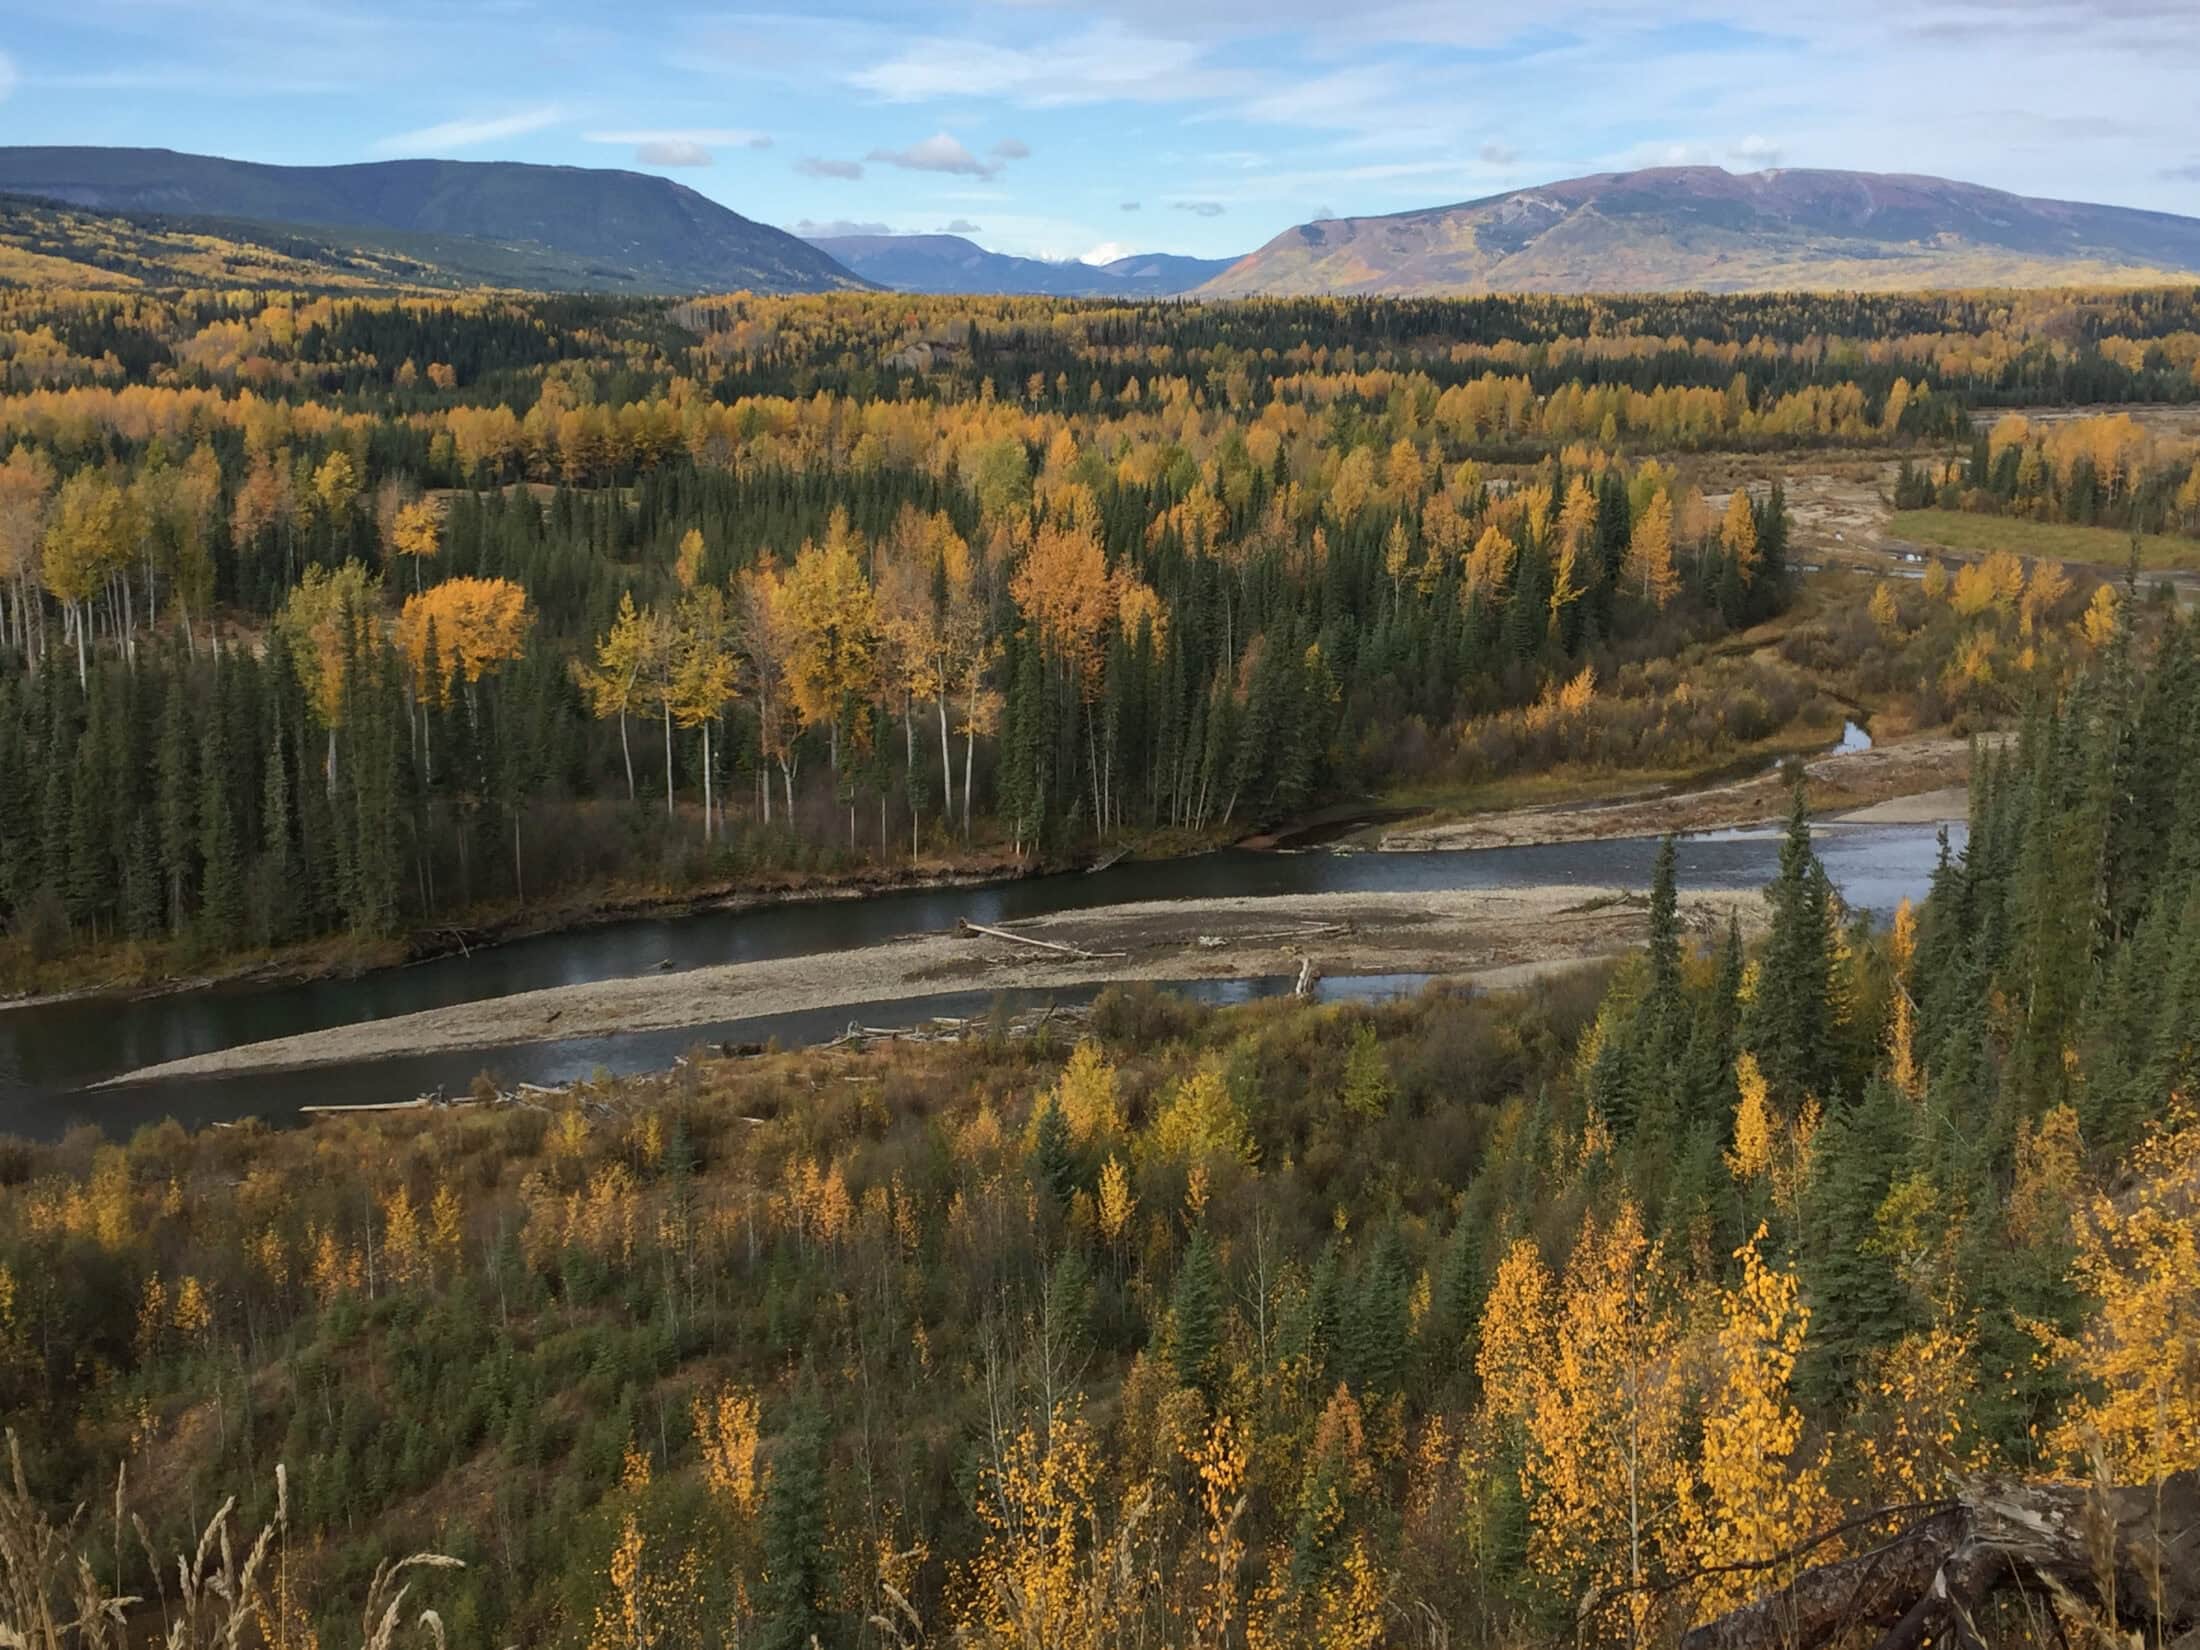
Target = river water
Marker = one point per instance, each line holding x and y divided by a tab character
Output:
50	1052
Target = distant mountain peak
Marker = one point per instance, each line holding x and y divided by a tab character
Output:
953	263
1667	228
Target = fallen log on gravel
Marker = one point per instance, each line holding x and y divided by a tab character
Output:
2119	1557
963	925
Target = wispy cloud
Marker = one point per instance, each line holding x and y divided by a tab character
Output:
817	166
1128	206
1755	151
1012	149
827	229
469	132
960	226
1201	209
7	76
1494	153
1104	63
940	152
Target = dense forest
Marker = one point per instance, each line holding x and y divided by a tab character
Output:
1570	1316
2105	471
343	616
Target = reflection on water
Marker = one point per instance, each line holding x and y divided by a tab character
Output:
47	1051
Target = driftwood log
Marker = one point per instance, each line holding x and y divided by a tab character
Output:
963	925
2128	1557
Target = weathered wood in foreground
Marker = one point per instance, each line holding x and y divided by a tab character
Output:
2127	1554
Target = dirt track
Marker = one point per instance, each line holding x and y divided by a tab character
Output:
1498	937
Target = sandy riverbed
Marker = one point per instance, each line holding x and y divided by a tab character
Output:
1498	937
1919	781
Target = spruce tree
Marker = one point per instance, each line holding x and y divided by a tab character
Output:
796	1573
1195	1316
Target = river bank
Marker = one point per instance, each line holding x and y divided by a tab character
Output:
345	957
1495	936
1918	781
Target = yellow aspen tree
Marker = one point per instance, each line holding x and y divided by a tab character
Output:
702	679
728	1430
1738	534
1913	1428
1513	1356
2099	622
335	485
1220	1460
194	1315
1577	519
1886	616
416	533
687	560
1117	1201
1034	1581
1489	565
1902	1067
2043	592
1650	552
1603	1466
1089	1096
404	1254
628	660
479	625
833	620
446	1228
1749	1497
2136	1363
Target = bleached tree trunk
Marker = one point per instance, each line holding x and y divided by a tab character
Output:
947	765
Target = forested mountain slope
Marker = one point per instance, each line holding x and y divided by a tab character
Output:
1702	228
568	227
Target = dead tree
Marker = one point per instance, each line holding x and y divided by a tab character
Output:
2128	1557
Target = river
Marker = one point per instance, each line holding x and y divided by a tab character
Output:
49	1052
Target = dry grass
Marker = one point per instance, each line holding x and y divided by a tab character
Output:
52	1598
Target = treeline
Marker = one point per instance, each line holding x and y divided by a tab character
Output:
2096	472
1574	1314
1097	664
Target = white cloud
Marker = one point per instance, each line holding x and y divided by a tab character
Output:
940	152
1108	251
671	152
1756	152
812	166
812	229
960	226
469	132
1201	209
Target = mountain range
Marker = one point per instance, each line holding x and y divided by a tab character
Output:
949	263
566	228
154	217
1704	228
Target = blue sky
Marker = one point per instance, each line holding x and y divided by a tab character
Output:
1066	128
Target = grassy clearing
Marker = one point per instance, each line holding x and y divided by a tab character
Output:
2098	546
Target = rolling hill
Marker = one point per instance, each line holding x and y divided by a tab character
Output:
1704	228
949	263
493	222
